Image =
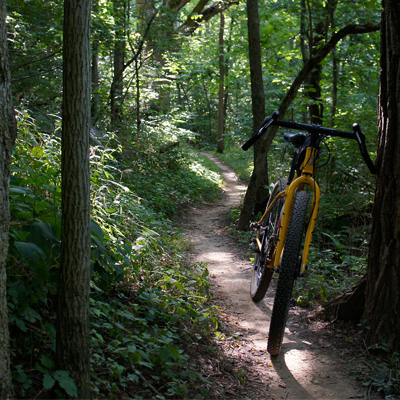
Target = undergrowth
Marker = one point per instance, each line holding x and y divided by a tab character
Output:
151	318
381	371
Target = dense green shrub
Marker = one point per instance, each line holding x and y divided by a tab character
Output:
149	307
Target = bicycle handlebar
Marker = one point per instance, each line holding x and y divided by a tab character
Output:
268	121
315	129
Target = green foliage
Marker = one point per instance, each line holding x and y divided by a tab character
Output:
381	372
144	335
149	306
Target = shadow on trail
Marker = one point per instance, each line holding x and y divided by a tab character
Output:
287	377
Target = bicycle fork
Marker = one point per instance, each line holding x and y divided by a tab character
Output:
289	193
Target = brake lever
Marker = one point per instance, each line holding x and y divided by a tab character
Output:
268	121
360	137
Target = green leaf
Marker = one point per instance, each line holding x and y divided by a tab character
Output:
66	382
96	230
47	361
48	381
19	189
32	254
21	324
169	352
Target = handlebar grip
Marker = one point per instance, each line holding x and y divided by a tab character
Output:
266	123
360	137
250	142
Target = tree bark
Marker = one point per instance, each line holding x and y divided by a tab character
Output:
201	14
73	341
348	307
95	73
8	134
382	308
256	194
319	55
117	85
335	63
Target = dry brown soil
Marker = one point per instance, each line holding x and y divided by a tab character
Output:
315	360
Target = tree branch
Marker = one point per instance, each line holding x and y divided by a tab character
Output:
136	54
201	14
319	55
176	5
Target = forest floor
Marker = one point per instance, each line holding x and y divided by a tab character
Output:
317	357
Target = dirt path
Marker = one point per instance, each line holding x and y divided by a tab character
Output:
309	367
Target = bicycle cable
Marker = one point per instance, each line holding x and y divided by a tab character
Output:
329	154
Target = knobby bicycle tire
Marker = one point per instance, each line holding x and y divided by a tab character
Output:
261	275
287	273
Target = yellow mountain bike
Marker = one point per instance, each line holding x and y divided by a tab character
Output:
287	225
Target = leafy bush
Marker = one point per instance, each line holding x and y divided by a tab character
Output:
149	307
381	371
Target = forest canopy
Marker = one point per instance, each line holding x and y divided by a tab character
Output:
163	74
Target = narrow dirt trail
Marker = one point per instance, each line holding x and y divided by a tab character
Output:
309	367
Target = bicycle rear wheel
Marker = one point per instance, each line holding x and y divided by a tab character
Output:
287	272
261	275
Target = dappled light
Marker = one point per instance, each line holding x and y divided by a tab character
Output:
126	199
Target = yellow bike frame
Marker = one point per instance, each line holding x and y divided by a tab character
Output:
306	178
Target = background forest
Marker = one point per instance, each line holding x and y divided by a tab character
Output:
163	73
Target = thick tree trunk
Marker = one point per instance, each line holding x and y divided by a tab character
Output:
8	133
382	308
381	313
256	196
73	341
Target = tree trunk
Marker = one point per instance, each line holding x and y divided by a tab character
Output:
348	307
221	91
335	63
256	195
311	35
119	63
73	341
144	10
382	308
95	73
381	313
8	133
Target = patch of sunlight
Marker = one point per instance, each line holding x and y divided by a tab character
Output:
202	171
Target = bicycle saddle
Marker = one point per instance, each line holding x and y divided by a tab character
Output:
297	138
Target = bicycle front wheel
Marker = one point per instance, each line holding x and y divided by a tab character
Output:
287	272
261	275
